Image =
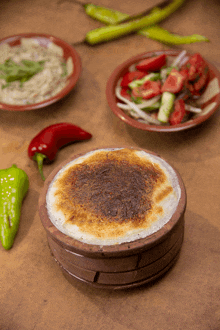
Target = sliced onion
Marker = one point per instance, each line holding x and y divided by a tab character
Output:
132	68
127	108
182	95
163	74
133	106
183	61
144	104
149	103
179	58
189	107
123	106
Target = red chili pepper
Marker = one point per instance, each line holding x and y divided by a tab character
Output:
48	141
130	76
152	64
178	113
174	82
148	90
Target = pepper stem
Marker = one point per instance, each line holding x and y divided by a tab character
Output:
40	159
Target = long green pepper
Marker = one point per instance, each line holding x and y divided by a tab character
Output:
159	34
116	31
155	32
14	184
104	15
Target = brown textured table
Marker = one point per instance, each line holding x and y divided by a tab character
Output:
34	294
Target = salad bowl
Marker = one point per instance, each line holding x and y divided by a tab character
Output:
207	102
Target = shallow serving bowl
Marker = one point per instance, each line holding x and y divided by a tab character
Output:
116	266
211	104
67	52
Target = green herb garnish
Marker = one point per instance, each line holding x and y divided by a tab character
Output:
23	71
137	100
64	70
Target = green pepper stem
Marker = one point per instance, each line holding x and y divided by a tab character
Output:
40	159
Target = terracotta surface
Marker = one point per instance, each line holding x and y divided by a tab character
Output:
34	294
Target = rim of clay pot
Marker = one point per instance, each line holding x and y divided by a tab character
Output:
123	249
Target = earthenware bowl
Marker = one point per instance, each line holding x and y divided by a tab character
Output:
67	52
209	107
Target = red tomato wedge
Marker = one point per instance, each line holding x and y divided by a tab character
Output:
130	76
196	66
174	82
179	112
152	64
202	81
198	74
126	92
148	90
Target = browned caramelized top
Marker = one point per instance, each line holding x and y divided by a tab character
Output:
110	192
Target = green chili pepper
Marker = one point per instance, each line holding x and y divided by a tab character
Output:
113	32
110	16
14	184
164	36
104	15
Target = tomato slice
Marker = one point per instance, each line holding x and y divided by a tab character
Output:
152	64
174	82
202	80
179	112
126	92
130	76
184	72
148	90
196	65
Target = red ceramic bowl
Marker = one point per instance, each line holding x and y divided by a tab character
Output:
209	107
68	51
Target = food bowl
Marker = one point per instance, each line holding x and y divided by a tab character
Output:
60	49
209	100
113	239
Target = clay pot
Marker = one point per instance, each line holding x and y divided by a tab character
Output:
116	266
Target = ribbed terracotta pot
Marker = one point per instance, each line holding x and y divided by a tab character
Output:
117	266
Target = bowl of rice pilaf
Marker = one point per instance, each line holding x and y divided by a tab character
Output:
36	70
